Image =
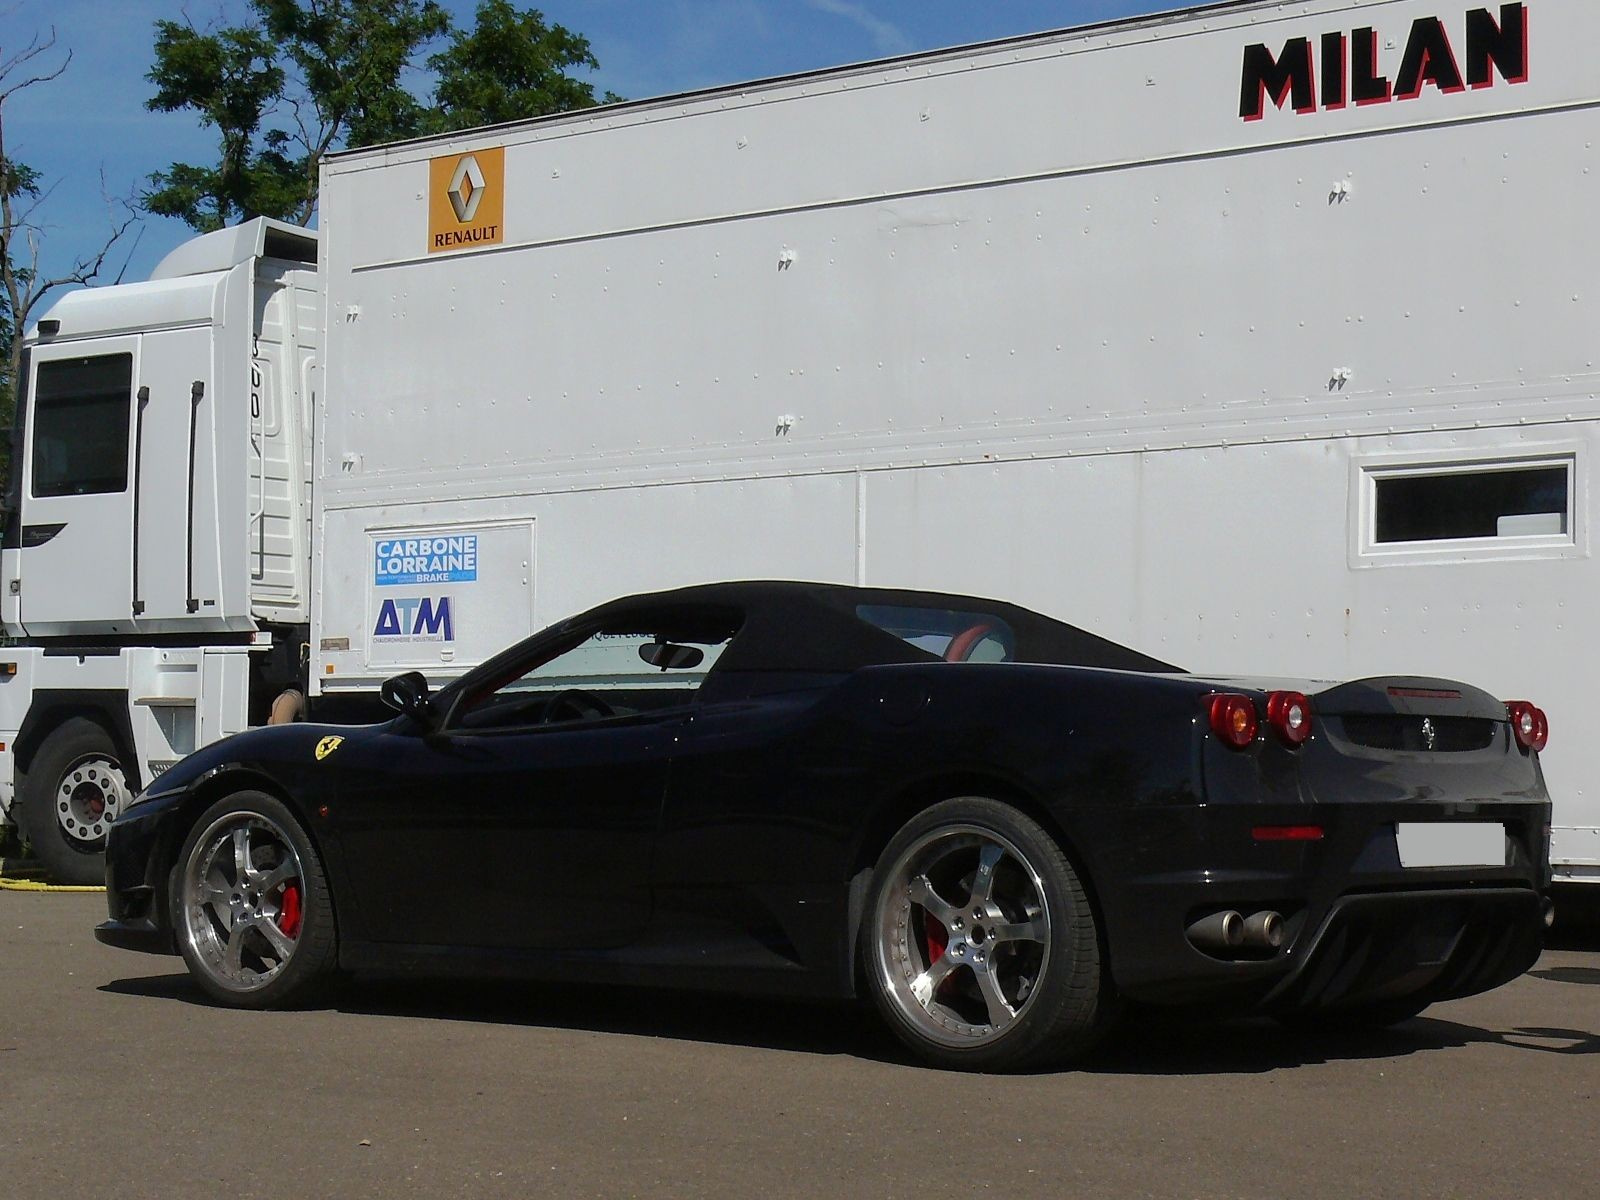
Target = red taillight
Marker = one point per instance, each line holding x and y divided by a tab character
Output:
1287	833
1233	719
1529	725
1289	714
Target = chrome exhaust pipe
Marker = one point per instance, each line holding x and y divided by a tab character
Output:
1219	931
1264	929
1549	912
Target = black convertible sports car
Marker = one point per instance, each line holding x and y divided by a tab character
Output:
994	824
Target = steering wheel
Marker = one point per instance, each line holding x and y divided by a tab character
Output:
964	643
584	705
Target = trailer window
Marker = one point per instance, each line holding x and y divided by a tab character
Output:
1476	502
80	425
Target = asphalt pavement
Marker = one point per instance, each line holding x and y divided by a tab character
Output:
117	1079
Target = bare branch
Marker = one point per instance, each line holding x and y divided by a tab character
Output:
27	54
33	49
22	287
86	268
24	215
127	259
300	123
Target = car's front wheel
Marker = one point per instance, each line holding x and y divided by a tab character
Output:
980	945
251	906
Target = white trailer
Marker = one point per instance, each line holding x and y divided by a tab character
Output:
1258	336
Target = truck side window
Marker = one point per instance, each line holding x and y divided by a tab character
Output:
81	409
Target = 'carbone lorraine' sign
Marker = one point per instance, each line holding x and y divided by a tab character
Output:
444	558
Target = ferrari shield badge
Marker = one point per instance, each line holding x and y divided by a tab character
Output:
327	746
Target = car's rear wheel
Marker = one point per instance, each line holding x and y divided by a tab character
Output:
980	945
250	905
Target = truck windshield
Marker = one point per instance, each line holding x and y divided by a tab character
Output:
80	425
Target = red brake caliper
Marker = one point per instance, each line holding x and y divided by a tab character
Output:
935	935
289	910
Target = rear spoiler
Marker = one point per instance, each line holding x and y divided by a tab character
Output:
1410	695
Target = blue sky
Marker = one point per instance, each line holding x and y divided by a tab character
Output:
92	120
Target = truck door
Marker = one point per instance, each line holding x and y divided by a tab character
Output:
75	560
174	535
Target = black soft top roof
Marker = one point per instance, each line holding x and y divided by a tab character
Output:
787	626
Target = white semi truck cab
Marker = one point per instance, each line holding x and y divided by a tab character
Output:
154	576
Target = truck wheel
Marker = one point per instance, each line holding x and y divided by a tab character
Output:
980	945
71	791
251	907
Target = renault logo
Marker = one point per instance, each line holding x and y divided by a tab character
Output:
467	200
466	189
1429	734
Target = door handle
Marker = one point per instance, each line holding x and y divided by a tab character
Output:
138	470
197	391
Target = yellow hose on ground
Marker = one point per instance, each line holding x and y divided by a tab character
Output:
20	879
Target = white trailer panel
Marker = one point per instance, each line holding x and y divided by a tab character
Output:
1048	319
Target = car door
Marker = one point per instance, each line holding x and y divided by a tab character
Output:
518	837
762	808
528	820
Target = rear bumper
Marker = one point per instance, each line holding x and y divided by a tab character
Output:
1360	948
1358	927
1437	945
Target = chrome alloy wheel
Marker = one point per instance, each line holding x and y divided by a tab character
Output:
242	897
963	935
89	795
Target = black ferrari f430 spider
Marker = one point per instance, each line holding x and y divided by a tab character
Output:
994	825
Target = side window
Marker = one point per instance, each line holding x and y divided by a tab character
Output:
613	672
945	633
1455	509
81	411
1480	503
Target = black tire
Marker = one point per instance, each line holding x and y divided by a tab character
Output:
68	780
1057	1001
1353	1018
205	933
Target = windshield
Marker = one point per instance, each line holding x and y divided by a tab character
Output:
617	660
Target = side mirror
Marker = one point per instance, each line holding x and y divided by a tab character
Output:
408	694
670	656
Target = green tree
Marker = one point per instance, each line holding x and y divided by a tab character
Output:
232	80
510	66
303	77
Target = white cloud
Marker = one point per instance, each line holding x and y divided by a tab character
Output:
886	36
